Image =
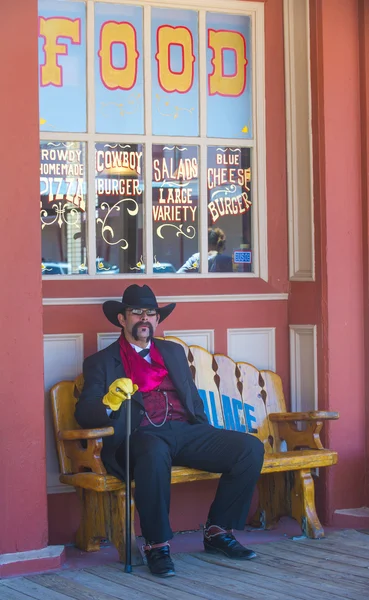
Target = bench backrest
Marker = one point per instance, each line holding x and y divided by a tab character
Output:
63	397
235	395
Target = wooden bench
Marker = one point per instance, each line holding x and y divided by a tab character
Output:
236	396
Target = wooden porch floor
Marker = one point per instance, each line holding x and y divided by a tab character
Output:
336	567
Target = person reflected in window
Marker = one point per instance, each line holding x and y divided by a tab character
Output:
217	261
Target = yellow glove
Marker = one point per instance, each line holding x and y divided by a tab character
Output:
118	392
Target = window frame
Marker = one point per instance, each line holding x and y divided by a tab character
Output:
255	10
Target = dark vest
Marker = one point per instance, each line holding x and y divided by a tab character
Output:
155	404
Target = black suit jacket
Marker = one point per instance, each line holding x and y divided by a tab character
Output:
104	367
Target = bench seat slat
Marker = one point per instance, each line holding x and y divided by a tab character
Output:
316	415
281	461
92	481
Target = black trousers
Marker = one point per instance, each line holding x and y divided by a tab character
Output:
238	456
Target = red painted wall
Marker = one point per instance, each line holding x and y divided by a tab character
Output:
23	515
344	250
335	301
201	315
364	79
188	512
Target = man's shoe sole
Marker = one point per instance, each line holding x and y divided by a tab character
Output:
212	550
167	574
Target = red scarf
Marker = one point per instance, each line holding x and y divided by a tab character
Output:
147	377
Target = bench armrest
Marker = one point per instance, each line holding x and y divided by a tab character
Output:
309	437
85	434
316	415
83	448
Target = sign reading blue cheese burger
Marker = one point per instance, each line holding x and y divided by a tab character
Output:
230	202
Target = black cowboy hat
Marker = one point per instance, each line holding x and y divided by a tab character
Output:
135	296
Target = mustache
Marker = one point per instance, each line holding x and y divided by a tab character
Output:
136	327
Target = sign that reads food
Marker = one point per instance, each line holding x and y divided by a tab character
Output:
118	48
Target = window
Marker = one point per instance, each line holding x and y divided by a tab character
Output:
152	138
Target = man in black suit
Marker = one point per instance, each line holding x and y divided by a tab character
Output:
169	427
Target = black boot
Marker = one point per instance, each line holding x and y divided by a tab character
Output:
219	540
159	560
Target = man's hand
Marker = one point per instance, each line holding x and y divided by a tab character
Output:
118	392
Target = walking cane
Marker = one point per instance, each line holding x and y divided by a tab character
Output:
128	563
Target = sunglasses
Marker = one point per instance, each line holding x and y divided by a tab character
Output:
138	312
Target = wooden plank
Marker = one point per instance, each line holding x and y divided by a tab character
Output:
63	404
205	383
185	474
282	576
342	578
67	589
273	463
103	583
259	577
210	585
220	574
351	534
7	593
232	571
172	338
183	573
319	552
140	580
252	396
351	537
291	555
298	459
275	402
350	547
315	415
345	539
229	389
32	589
257	585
